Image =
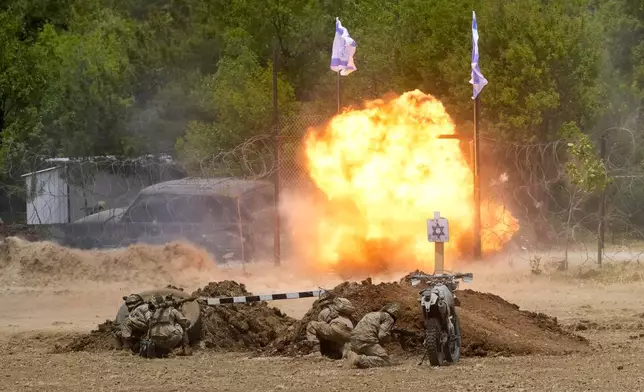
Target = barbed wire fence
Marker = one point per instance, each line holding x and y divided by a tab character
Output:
41	195
559	221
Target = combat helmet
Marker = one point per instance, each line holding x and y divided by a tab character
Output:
132	300
393	308
158	300
327	298
343	306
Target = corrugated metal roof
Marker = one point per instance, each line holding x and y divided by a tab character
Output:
41	171
224	186
164	158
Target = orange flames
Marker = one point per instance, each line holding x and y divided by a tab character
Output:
384	172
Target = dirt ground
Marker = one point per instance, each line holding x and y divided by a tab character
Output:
36	315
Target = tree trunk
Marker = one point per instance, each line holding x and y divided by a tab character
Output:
1	124
573	206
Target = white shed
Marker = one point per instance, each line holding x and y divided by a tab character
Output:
47	196
70	188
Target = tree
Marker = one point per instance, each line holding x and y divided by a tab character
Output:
83	105
20	82
238	99
586	174
66	88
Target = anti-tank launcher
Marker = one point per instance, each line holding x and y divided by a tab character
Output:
170	301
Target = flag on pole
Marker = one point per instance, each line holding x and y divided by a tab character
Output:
478	81
344	47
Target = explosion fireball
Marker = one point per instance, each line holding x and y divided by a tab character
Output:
384	172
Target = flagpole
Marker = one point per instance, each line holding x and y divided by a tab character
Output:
338	91
477	181
342	53
478	81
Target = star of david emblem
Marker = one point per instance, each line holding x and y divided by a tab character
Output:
438	230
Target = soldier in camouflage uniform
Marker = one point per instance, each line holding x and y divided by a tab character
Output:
136	323
333	325
168	327
368	336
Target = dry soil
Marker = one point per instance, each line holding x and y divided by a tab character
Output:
44	306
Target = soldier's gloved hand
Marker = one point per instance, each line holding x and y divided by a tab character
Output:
386	338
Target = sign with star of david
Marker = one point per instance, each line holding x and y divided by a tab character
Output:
437	229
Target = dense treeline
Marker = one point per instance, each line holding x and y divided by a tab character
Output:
90	77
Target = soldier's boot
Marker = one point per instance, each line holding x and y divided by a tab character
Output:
346	349
127	344
186	350
311	345
117	341
313	349
352	357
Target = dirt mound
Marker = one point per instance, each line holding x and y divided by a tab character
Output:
239	327
42	262
234	327
490	325
226	288
100	339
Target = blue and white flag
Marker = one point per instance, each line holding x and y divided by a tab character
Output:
478	81
344	47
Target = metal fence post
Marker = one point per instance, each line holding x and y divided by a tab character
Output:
276	132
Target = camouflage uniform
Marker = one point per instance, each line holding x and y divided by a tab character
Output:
168	327
373	330
333	324
136	323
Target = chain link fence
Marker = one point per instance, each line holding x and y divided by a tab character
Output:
292	130
558	219
94	201
111	202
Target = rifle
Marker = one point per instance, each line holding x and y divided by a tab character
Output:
404	336
171	302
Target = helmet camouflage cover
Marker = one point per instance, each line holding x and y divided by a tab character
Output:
157	300
133	299
343	306
392	308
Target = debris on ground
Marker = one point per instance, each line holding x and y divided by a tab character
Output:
490	325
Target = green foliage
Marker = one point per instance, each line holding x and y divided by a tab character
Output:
585	169
193	77
238	97
83	105
69	90
554	50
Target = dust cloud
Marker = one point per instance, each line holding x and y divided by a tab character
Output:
39	264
